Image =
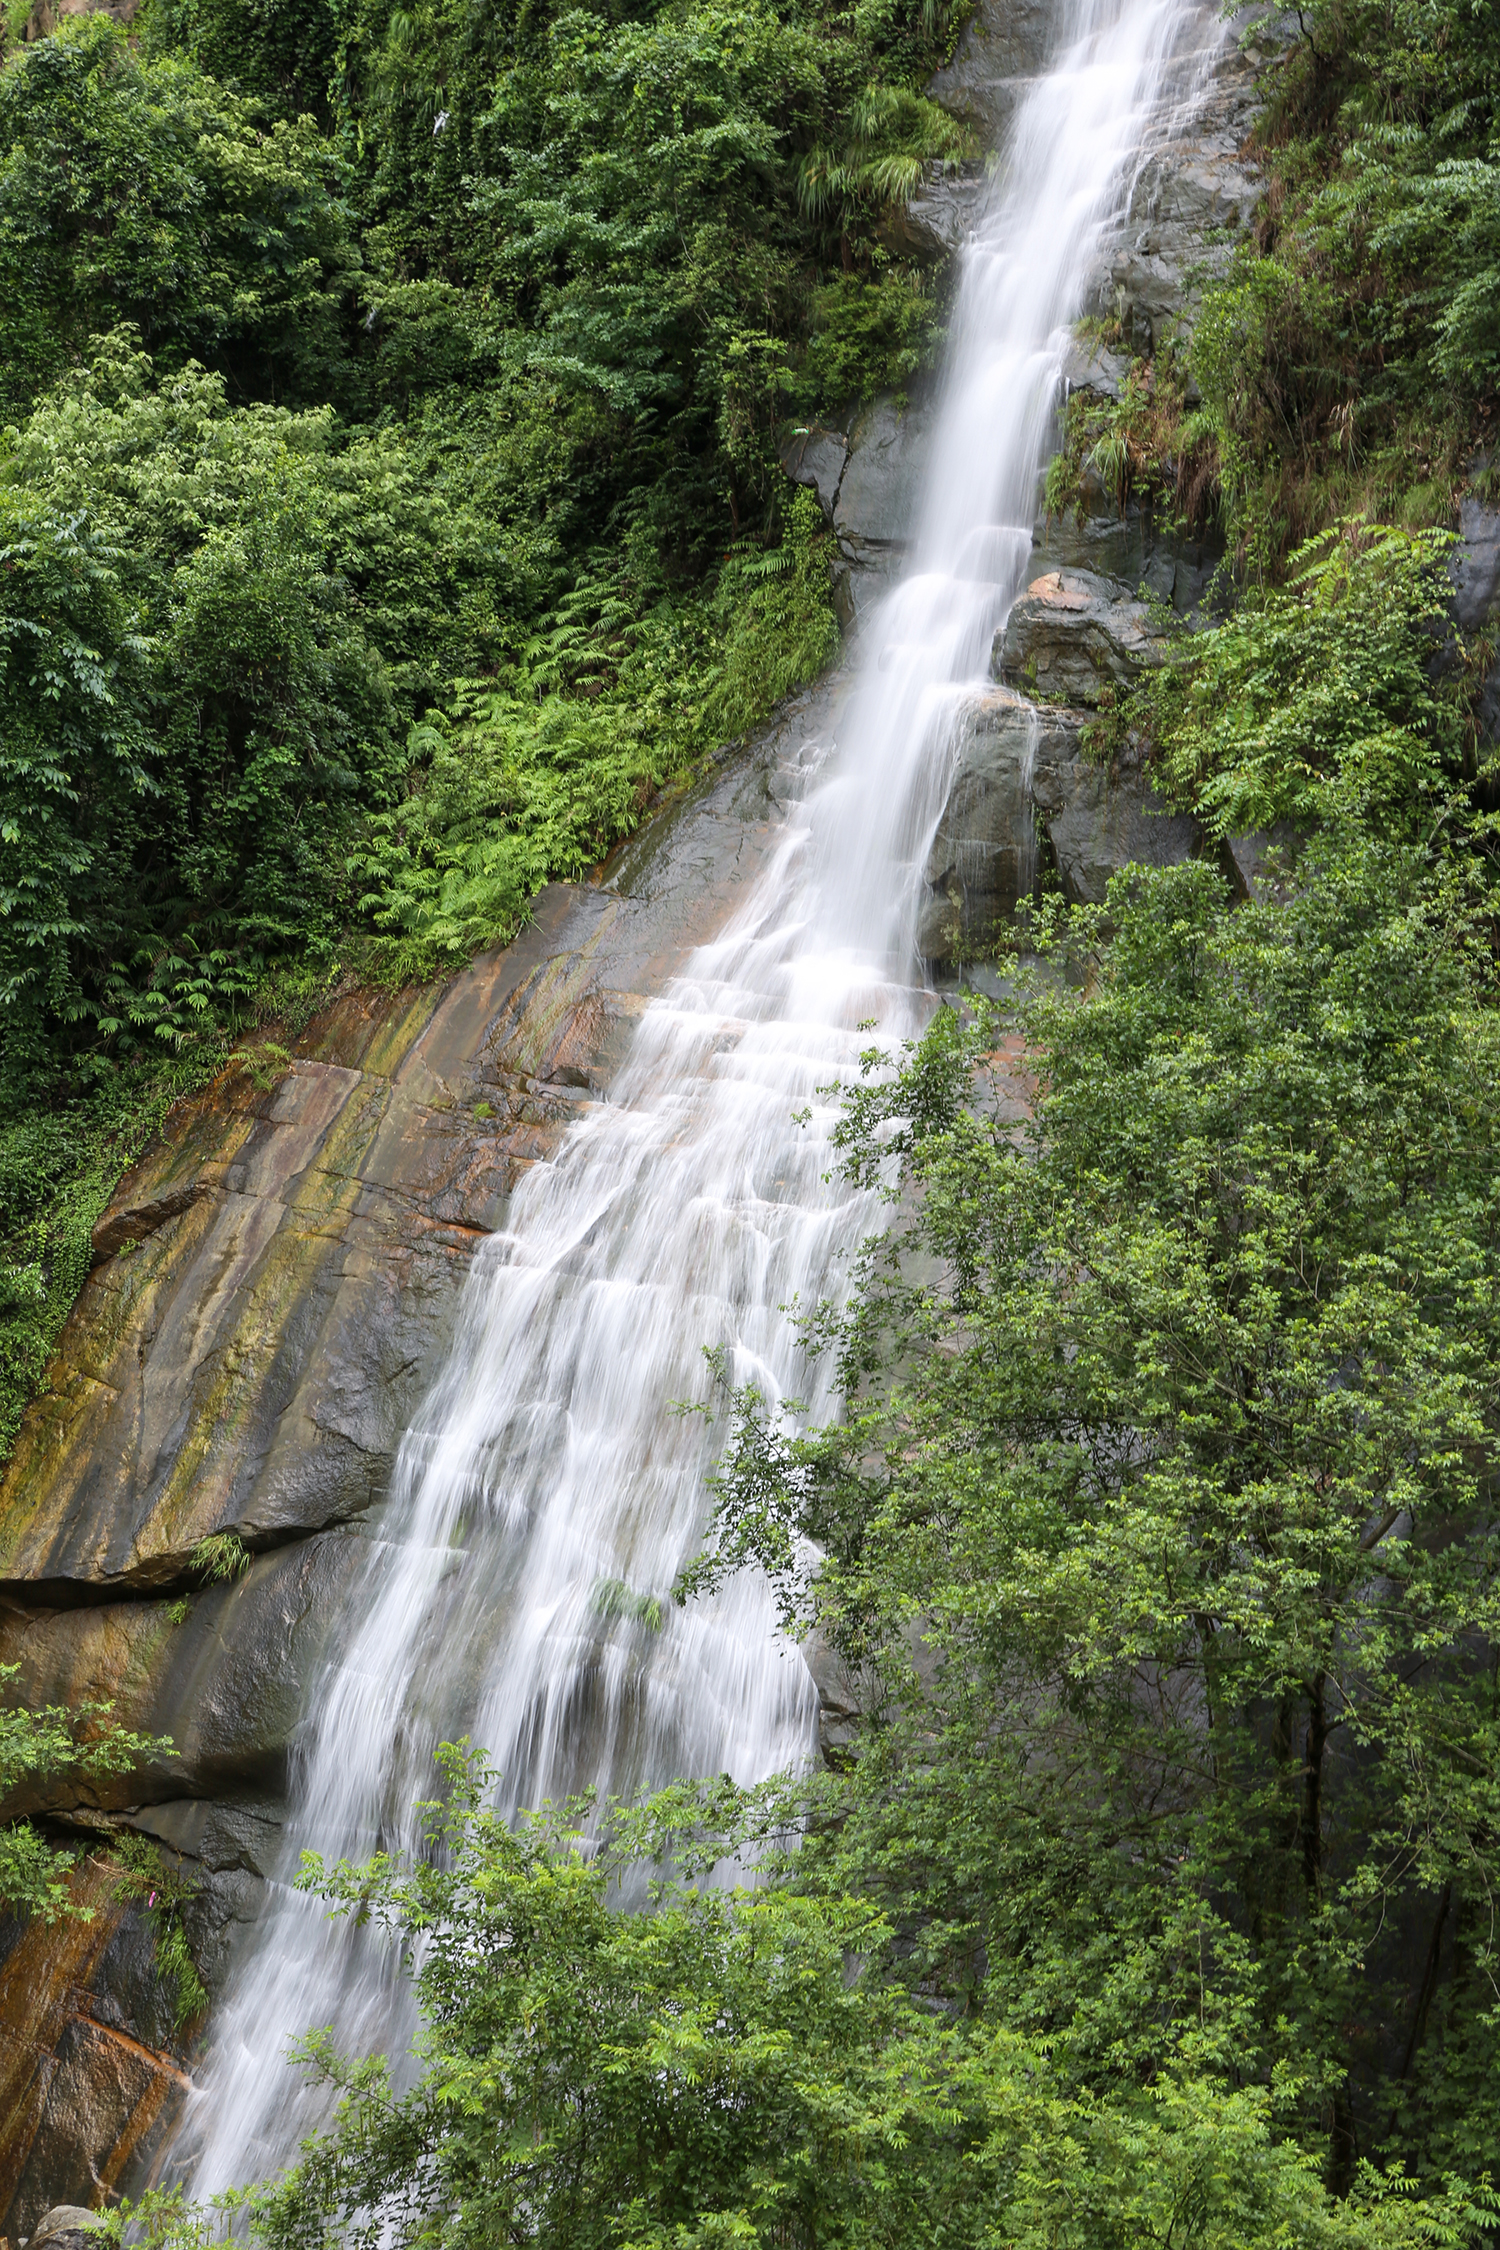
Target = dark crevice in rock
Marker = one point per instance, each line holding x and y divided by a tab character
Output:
168	1577
117	1227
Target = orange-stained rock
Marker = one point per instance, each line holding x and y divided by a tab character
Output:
80	2098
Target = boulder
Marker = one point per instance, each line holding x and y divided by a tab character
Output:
1072	635
816	456
877	495
1100	819
67	2226
1020	773
983	858
934	222
1088	366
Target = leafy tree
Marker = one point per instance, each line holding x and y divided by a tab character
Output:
726	2069
281	53
192	711
1314	690
134	188
1162	1513
641	194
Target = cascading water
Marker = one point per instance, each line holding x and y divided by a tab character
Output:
547	1493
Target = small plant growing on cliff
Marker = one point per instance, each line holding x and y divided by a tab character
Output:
613	1598
163	1892
264	1064
36	1746
221	1556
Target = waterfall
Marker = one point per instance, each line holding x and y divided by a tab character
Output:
547	1495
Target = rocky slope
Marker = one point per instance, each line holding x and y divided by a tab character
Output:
274	1286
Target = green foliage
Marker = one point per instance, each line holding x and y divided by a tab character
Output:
221	1556
540	775
614	1598
1314	692
193	710
1142	446
732	2068
282	53
868	336
1179	1462
162	1892
655	188
1344	358
891	140
133	188
48	1745
544	291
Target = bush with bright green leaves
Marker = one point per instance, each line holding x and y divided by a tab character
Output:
1326	682
193	714
539	775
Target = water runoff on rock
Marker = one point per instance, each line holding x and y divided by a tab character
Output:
547	1495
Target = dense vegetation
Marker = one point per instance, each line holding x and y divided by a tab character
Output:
390	502
392	508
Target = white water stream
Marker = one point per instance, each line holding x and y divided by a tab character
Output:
688	1209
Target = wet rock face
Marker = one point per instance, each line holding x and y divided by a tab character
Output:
1099	820
935	221
82	2095
983	857
1005	44
1073	634
1190	204
876	503
275	1285
1023	783
868	478
276	1280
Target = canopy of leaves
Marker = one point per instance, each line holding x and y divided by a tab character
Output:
394	507
729	2068
135	189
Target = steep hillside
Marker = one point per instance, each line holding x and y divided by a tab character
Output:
454	457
